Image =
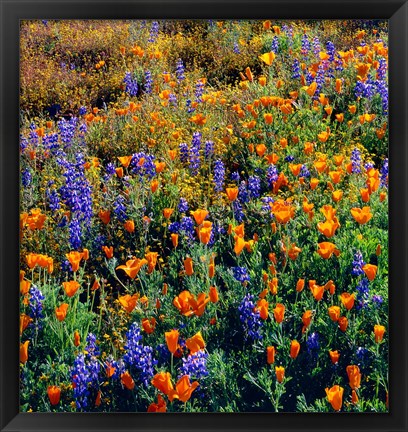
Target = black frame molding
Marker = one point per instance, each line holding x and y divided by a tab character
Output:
11	12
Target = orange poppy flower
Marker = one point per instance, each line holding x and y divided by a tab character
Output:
213	294
188	266
323	136
370	270
294	349
379	331
280	373
127	380
149	325
54	394
61	311
313	183
343	323
151	258
268	57
330	286
159	407
334	356
70	288
328	227
129	226
24	352
361	216
181	302
24	287
335	397
279	312
327	249
108	251
354	376
232	193
239	244
172	340
128	302
125	160
317	291
199	304
199	215
132	267
334	313
260	149
162	381
283	212
195	343
347	300
167	212
204	232
183	390
74	259
262	307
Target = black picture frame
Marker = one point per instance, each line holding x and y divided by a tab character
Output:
12	11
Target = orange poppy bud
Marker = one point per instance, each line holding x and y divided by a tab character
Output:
213	294
108	251
61	311
270	354
95	285
54	394
337	195
188	266
77	338
343	323
379	331
307	318
354	397
280	373
24	352
354	376
294	349
300	285
268	118
174	239
378	250
335	397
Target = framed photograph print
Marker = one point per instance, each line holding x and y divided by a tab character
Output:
203	215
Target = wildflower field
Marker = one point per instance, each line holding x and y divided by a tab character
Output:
204	216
